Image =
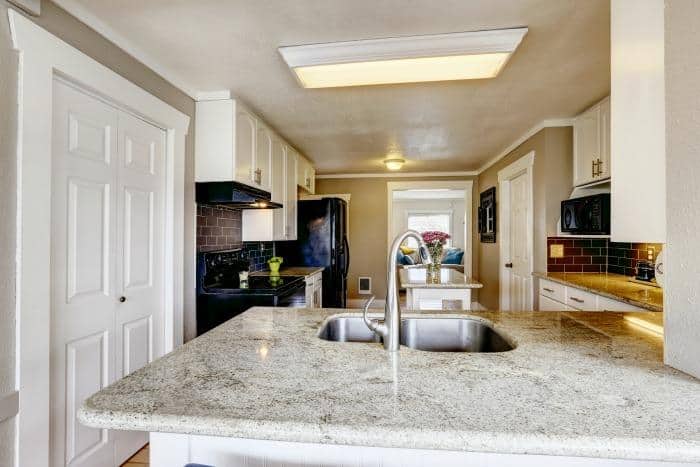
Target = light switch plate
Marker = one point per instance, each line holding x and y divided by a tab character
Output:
556	251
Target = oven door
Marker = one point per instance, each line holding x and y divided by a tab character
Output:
293	298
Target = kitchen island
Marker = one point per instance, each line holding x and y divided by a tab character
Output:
445	289
578	389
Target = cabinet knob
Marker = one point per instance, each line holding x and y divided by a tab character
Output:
122	299
509	265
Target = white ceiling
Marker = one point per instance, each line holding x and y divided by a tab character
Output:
561	67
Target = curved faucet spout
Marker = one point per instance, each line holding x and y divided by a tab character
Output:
392	312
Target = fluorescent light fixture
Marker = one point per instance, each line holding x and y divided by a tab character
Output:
394	164
439	57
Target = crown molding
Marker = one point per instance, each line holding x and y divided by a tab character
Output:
464	173
550	123
77	10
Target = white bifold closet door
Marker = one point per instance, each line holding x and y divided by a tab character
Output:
107	265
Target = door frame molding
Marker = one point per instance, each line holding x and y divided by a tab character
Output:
43	57
466	185
523	165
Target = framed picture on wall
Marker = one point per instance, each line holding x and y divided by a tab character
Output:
487	216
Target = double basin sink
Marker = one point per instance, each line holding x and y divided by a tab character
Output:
429	334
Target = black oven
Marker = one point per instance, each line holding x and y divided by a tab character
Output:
589	215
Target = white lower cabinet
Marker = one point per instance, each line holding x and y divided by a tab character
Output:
314	290
554	296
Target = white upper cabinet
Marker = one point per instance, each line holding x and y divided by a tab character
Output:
306	175
592	144
232	144
638	125
290	187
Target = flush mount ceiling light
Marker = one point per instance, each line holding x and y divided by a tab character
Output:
394	164
438	57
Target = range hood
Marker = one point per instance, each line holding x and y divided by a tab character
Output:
234	194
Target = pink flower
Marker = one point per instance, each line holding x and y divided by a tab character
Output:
435	237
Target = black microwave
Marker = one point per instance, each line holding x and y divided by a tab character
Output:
589	215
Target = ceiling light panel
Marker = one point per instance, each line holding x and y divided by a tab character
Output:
442	57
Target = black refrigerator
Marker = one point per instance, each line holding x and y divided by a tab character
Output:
322	241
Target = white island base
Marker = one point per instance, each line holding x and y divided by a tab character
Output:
176	450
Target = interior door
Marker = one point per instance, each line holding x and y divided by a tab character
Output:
139	281
83	263
107	229
519	268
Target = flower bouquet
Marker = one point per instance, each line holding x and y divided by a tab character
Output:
435	243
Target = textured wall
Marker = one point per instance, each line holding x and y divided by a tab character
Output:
552	179
682	255
8	178
368	227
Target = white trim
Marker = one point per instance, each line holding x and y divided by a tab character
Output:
33	7
9	405
464	173
466	185
85	16
213	95
551	123
523	165
433	45
42	58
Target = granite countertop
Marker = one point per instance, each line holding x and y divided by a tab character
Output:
583	384
292	271
449	279
615	286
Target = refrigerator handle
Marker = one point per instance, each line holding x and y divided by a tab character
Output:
346	256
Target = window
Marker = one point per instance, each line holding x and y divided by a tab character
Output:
425	221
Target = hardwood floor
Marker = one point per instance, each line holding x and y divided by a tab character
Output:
140	459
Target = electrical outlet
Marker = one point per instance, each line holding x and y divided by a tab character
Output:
556	251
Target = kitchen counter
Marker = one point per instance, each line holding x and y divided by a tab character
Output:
614	286
292	271
584	384
417	277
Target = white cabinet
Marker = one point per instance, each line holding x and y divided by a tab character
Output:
290	200
554	296
306	175
232	144
592	144
314	290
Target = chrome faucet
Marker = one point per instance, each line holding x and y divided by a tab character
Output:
390	329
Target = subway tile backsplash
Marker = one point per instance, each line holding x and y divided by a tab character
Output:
598	255
219	228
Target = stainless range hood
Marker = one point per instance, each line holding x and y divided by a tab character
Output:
234	194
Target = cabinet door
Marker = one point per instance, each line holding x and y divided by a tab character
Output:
318	293
290	199
246	132
261	173
604	131
586	146
301	171
279	180
311	178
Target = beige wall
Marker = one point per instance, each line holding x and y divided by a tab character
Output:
60	23
368	227
8	182
552	178
682	256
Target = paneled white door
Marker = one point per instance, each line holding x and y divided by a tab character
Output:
107	230
519	265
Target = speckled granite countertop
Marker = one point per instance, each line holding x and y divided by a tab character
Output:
292	271
585	385
449	279
615	286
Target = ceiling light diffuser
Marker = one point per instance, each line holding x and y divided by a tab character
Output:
440	57
394	164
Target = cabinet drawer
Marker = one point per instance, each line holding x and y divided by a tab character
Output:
553	290
547	304
583	301
607	304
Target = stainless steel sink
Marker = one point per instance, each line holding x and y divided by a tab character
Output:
429	334
451	335
347	329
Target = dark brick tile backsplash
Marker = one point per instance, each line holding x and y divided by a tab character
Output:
598	255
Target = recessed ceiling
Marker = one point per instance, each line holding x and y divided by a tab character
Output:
561	67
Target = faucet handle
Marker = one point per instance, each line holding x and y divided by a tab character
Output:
373	325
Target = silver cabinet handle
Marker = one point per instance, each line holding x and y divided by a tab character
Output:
548	290
577	300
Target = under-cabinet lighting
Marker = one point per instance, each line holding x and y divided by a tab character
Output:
439	57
